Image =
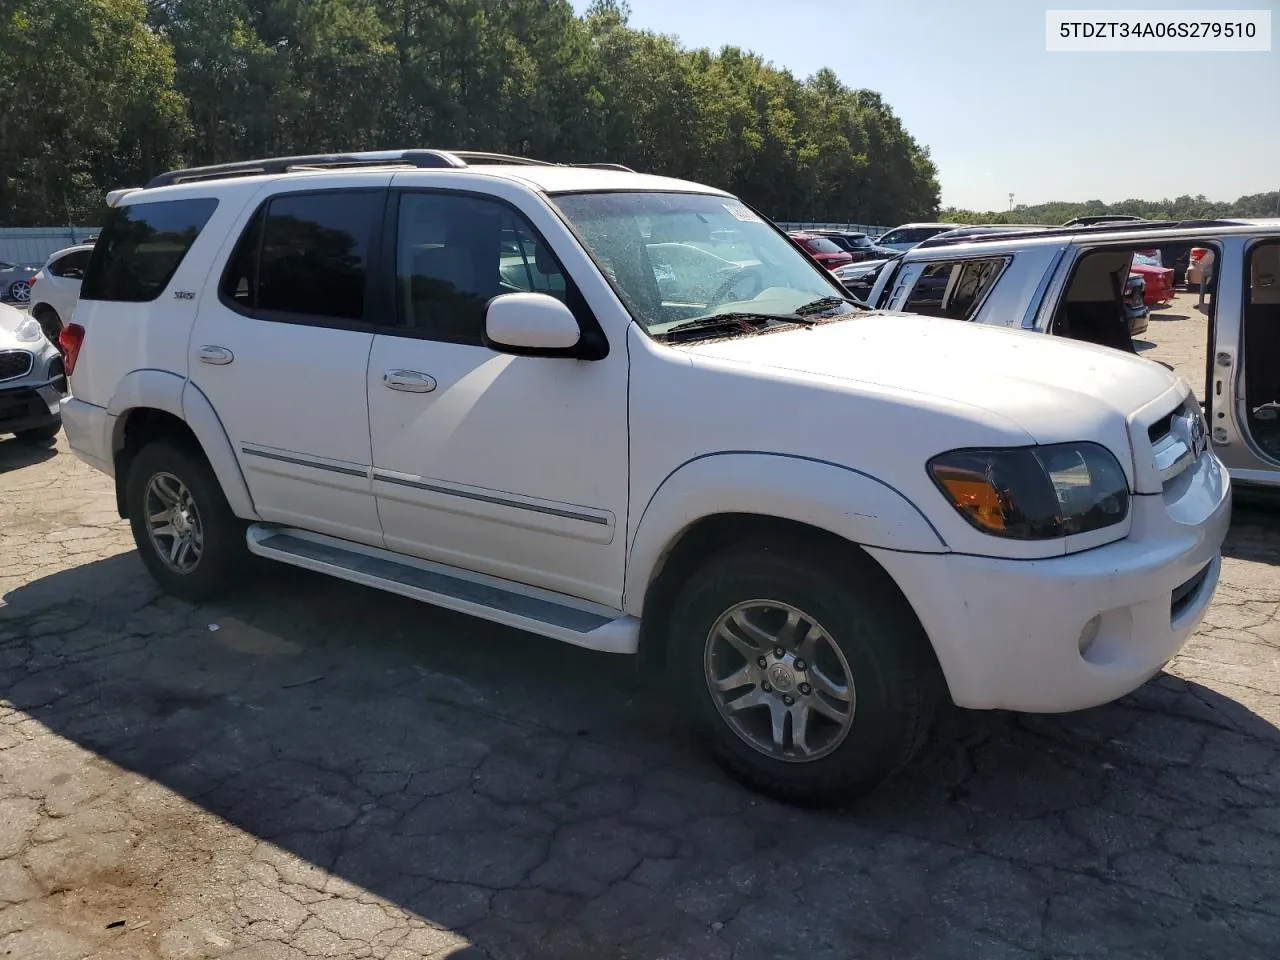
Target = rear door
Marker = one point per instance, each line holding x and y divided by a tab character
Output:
281	347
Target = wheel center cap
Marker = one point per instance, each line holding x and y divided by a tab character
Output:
782	677
180	522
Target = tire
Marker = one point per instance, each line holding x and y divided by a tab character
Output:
20	291
40	434
896	682
220	536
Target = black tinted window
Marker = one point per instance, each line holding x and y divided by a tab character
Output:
953	288
455	253
72	265
314	252
141	247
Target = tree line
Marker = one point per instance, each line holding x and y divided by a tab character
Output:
1180	208
97	94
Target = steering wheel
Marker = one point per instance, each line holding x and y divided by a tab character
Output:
725	289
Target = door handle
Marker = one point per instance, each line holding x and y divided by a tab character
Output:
408	381
220	356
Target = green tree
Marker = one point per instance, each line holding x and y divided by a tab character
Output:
89	104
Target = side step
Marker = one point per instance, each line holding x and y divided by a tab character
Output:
490	598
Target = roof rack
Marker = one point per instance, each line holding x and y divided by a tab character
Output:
425	159
1137	226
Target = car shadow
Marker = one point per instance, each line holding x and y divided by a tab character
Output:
16	454
1165	316
529	796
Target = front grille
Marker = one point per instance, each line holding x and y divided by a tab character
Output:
1183	596
21	404
58	374
15	363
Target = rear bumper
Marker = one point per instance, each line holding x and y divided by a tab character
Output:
87	428
1014	634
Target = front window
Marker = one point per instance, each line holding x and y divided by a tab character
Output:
674	258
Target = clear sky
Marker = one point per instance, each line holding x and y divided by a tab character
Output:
971	80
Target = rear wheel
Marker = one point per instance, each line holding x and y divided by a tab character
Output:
184	529
807	685
20	291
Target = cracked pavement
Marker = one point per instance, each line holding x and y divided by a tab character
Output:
313	769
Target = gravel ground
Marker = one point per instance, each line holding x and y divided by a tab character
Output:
313	769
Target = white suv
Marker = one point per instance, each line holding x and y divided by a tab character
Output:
554	397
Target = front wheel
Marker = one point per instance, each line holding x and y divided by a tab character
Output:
186	534
810	686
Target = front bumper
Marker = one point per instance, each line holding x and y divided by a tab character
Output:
34	399
1008	633
29	407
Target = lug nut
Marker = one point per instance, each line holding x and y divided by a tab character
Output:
799	664
762	662
805	689
779	652
788	700
767	687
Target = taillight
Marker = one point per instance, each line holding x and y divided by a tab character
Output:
32	282
71	339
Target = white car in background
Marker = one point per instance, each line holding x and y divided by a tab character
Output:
909	234
55	289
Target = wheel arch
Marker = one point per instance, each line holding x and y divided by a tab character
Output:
712	502
154	404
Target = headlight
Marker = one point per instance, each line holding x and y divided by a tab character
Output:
28	331
1034	493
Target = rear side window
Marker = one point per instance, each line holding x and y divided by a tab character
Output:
142	246
954	288
72	265
306	255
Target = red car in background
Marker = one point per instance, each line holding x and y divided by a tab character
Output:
822	249
1159	279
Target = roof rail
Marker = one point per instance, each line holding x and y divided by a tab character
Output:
249	168
1112	227
430	159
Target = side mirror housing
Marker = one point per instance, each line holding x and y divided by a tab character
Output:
531	324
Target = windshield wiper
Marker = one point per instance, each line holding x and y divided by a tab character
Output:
737	322
825	303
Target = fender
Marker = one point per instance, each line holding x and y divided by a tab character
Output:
173	394
841	500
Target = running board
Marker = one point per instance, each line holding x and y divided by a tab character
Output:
490	598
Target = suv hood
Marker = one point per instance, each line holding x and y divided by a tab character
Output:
1055	390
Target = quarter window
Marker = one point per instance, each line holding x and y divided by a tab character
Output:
71	267
953	288
141	248
454	253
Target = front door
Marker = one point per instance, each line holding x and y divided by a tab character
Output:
512	466
282	351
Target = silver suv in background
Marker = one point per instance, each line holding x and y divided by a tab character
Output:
1071	282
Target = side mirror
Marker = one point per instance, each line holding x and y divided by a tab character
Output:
531	324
